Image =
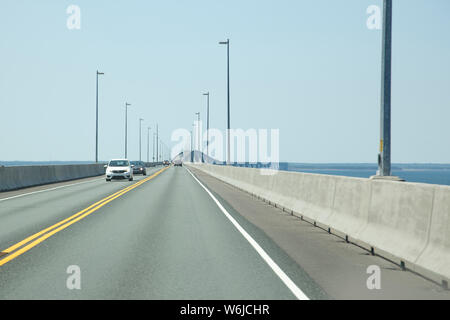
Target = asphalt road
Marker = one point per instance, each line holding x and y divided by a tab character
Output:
167	237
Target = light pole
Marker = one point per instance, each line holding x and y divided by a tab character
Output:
126	128
192	151
384	160
140	138
153	143
157	153
227	43
148	143
198	132
167	152
192	143
96	117
207	125
164	151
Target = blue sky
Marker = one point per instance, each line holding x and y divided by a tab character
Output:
308	68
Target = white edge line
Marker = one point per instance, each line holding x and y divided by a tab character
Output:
51	189
280	273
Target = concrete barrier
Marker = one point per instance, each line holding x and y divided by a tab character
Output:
350	209
12	178
436	256
399	219
153	164
408	223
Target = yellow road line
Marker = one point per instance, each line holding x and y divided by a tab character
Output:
48	232
21	243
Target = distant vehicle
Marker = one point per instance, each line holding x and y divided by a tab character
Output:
166	162
119	169
139	167
177	163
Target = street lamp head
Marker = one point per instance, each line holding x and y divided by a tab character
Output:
127	104
206	94
225	42
100	73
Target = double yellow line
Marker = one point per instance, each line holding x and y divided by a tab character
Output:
32	241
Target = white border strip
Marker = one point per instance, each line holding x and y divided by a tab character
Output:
280	273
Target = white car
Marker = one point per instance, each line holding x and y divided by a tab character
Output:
119	169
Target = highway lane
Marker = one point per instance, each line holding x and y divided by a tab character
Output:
165	239
25	212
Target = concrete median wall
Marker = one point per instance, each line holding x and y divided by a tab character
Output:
153	164
408	223
12	178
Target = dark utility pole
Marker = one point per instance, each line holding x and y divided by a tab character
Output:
126	128
192	147
207	125
157	158
227	43
199	143
140	138
153	143
384	161
148	144
96	117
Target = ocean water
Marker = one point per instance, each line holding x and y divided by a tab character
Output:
421	173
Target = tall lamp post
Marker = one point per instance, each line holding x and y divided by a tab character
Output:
227	43
157	153
384	158
126	128
385	123
148	143
140	138
192	144
153	143
164	151
207	125
198	132
96	116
